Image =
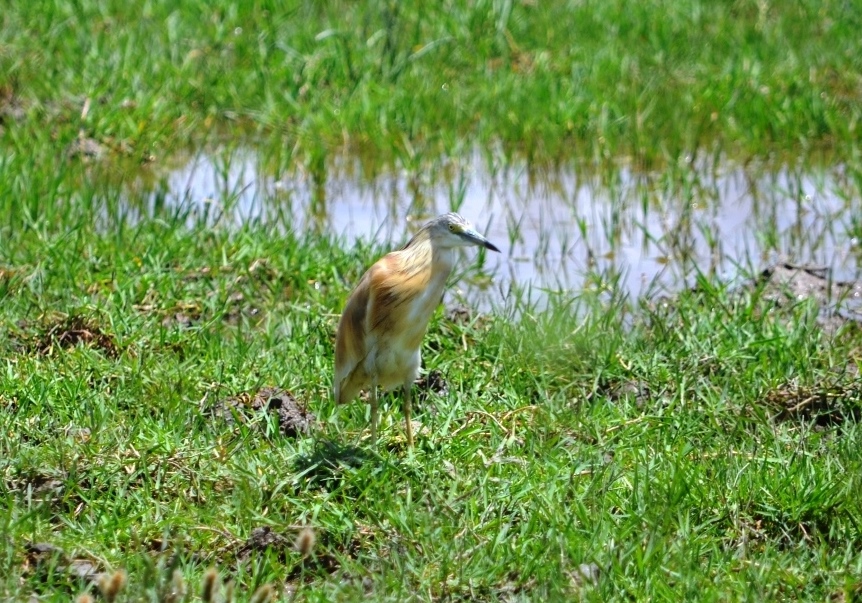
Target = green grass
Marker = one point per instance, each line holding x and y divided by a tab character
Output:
640	440
410	80
703	447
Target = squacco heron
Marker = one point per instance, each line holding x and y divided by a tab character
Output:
384	321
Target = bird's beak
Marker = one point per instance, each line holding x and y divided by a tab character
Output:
476	239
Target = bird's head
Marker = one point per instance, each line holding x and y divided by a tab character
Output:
451	230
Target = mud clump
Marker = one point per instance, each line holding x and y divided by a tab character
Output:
43	559
85	148
824	403
12	109
262	539
238	307
72	331
183	318
432	383
840	301
459	314
294	420
837	395
786	281
625	389
39	488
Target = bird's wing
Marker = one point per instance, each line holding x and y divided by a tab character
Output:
374	310
396	280
351	342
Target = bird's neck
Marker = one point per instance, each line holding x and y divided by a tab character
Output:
440	259
443	260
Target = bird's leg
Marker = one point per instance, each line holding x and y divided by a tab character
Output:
409	422
373	399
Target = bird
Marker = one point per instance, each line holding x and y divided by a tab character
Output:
380	332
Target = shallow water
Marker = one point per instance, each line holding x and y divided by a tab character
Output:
639	234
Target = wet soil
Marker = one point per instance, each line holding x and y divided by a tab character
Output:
786	284
63	332
42	560
431	383
293	418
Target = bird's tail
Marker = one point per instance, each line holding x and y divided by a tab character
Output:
345	389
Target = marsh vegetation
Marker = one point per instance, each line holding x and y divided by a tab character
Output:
652	394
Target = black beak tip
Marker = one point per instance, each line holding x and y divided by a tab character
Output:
491	246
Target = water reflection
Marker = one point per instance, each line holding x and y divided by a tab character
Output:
558	229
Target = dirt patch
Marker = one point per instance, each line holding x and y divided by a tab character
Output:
183	316
225	293
71	331
50	489
294	419
623	390
11	107
285	546
85	148
7	274
38	488
465	315
61	332
824	403
264	539
309	560
238	307
786	284
792	282
851	592
432	383
459	314
43	560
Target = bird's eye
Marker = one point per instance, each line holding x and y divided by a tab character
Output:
451	228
